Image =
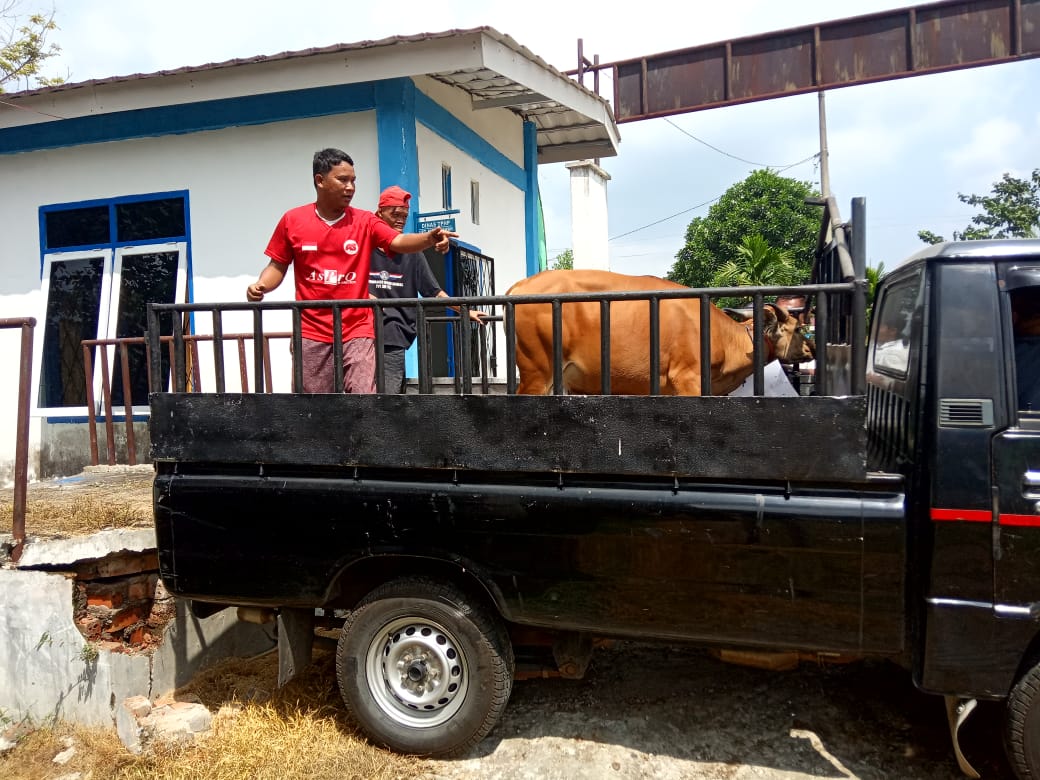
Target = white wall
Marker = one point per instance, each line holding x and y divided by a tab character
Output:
500	233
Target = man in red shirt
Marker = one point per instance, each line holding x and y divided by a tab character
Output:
331	244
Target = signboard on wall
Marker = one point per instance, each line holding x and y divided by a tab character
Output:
429	223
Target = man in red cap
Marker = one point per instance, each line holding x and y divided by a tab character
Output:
329	243
406	275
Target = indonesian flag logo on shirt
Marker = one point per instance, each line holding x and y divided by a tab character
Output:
350	246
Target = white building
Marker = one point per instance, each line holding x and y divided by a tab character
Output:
166	186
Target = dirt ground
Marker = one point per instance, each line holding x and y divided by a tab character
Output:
670	713
646	711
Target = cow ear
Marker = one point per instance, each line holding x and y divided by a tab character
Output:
771	317
775	313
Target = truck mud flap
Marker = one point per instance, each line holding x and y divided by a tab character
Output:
957	711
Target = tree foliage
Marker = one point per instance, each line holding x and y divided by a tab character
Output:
24	46
758	263
564	261
874	275
1011	210
764	204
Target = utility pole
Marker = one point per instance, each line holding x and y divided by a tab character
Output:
825	174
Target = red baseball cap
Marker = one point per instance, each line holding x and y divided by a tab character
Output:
394	196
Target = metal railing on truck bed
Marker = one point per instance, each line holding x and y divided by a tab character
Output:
837	297
181	379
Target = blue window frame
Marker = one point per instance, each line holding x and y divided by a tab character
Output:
101	263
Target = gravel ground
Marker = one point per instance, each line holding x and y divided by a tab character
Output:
669	713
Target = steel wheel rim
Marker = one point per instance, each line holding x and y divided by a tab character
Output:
417	672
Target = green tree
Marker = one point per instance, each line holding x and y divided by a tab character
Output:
564	261
873	277
1011	210
765	204
24	46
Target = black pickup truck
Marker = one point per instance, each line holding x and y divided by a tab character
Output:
459	538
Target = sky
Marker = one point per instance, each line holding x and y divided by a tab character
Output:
908	146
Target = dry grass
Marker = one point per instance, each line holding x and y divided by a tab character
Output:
301	731
99	499
259	732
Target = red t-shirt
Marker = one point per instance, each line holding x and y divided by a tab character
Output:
330	263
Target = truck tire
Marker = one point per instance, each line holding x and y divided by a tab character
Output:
423	669
1022	734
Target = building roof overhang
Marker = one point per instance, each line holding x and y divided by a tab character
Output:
496	72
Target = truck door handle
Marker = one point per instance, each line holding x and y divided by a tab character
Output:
1031	484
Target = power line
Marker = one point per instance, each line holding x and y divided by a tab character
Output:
778	168
733	156
665	219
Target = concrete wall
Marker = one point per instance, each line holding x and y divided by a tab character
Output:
49	671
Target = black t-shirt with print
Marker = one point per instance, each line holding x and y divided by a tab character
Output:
400	276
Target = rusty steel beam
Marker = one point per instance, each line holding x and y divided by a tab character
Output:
927	38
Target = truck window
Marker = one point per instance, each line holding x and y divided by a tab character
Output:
1025	317
895	317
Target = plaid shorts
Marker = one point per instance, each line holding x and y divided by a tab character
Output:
359	366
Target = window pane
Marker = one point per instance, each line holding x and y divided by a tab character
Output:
892	348
445	186
1025	308
73	303
148	278
77	227
148	219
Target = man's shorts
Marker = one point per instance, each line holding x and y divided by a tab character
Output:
359	366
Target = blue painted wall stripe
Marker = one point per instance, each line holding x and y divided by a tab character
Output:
531	196
395	133
451	129
189	117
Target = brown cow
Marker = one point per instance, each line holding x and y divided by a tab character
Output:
731	342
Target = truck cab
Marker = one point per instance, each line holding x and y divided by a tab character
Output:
944	385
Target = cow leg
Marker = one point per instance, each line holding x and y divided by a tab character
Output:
534	380
533	387
685	380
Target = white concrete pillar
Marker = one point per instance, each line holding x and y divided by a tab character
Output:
589	215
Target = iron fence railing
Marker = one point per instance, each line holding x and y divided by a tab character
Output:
120	356
21	457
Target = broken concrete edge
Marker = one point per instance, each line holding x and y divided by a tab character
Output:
48	553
